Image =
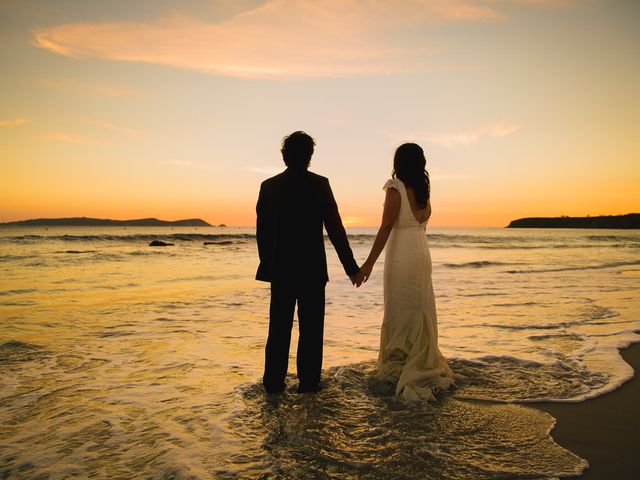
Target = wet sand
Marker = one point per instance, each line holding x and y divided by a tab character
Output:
605	430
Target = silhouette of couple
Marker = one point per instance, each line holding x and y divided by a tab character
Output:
292	210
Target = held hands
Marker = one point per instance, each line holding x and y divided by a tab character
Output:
363	275
356	279
365	271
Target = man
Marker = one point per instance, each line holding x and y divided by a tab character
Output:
292	209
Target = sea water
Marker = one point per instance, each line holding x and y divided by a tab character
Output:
121	360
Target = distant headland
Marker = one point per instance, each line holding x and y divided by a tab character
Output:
105	222
628	221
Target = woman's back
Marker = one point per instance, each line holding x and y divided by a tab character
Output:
410	215
421	214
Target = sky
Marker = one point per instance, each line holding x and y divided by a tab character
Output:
176	109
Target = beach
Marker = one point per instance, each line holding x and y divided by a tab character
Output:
604	430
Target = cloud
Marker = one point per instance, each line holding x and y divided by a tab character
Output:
187	164
64	137
14	122
453	139
448	176
116	128
265	169
101	89
278	39
535	3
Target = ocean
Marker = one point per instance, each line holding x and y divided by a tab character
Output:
121	360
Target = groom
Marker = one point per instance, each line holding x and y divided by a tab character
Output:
292	209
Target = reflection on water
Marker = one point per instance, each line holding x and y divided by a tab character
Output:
348	431
119	360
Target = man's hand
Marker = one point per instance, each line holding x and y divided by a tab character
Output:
356	279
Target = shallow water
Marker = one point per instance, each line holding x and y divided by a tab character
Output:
119	360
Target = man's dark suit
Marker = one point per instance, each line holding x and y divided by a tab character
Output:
292	209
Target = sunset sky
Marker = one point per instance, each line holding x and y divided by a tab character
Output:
176	109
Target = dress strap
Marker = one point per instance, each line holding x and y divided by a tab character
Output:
392	183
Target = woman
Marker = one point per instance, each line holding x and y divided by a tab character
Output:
409	355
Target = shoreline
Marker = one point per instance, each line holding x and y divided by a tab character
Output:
604	430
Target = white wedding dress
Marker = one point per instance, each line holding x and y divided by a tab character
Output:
409	354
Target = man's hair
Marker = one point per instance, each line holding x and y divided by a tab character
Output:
297	149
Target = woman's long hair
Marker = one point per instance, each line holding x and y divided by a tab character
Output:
409	166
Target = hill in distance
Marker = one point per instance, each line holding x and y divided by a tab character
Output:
628	221
105	222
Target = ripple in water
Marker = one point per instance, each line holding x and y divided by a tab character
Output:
349	431
14	351
507	379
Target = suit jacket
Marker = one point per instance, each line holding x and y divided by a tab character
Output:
292	209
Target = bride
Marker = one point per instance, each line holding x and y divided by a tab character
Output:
409	354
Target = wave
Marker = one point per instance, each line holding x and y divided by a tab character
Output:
141	237
582	267
20	291
438	240
356	429
13	258
75	251
352	430
590	316
515	380
539	246
478	264
612	238
15	351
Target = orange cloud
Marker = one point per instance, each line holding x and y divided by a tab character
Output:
14	122
187	164
279	39
543	3
265	169
65	137
116	128
68	84
453	139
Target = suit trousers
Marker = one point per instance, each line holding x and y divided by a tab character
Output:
310	299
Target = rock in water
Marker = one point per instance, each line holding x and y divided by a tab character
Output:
159	243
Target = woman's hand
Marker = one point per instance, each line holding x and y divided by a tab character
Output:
365	270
